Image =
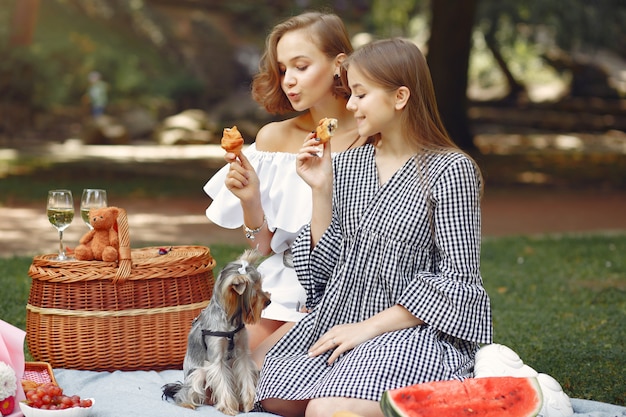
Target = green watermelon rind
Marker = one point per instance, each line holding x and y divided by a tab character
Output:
391	409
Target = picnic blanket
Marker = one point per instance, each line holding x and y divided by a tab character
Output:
138	394
131	393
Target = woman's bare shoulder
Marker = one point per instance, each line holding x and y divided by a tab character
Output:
268	133
282	136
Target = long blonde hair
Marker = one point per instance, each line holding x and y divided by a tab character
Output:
326	30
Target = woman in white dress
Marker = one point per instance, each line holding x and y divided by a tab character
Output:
260	191
391	258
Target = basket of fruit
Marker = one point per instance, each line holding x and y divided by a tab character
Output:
133	314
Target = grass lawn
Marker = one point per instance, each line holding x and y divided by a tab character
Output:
560	302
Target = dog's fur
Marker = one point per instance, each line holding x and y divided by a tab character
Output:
218	369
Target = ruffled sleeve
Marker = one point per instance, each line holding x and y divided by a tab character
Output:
452	298
314	267
285	197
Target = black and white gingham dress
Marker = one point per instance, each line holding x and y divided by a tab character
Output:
413	241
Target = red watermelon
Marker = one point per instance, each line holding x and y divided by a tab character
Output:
491	396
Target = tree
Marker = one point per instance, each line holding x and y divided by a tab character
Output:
448	57
566	33
23	22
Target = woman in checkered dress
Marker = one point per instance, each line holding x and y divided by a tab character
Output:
390	260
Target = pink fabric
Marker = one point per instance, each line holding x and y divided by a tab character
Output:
12	353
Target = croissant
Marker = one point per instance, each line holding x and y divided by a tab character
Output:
326	129
232	141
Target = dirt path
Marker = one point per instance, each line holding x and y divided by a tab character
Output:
510	212
25	230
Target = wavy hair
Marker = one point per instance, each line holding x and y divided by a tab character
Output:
329	34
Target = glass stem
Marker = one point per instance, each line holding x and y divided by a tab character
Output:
61	249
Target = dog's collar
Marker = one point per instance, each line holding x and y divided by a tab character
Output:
229	335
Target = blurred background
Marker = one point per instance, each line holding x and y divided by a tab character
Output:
535	90
504	66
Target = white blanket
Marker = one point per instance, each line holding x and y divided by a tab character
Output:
138	394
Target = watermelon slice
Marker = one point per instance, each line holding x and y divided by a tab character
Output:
490	396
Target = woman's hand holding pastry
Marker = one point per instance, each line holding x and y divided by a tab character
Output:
313	168
230	157
241	178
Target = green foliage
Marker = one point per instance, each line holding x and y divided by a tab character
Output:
571	24
393	17
67	46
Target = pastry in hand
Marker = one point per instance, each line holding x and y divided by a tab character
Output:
326	129
232	141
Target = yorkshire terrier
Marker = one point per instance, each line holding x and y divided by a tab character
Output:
218	369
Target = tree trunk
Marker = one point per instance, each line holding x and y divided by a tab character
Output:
23	22
448	57
517	91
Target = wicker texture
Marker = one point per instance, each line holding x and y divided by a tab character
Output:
39	373
133	314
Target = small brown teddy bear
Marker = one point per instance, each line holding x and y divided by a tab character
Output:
102	242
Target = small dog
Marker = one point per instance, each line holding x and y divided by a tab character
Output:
218	369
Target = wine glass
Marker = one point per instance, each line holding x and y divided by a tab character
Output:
91	198
60	213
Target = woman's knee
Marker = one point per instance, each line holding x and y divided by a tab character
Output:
324	407
319	407
285	408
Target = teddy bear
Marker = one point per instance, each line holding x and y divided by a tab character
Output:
102	242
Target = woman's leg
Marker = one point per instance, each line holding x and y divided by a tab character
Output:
260	331
324	407
286	408
267	333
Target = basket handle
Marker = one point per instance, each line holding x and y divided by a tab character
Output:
125	260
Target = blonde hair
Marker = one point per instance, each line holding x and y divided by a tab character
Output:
328	33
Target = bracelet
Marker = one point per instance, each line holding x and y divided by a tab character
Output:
251	232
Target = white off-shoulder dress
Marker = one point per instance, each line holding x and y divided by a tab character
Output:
286	201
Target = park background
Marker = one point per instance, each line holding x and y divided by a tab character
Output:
534	90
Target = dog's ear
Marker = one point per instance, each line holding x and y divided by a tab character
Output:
240	287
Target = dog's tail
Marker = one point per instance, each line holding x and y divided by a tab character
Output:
170	390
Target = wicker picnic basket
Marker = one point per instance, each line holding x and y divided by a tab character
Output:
133	314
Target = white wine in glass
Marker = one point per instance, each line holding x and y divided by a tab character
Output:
60	209
91	198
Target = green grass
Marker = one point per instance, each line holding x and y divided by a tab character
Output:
560	302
